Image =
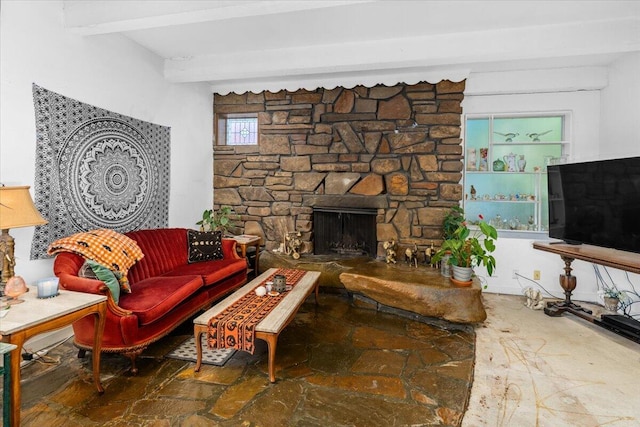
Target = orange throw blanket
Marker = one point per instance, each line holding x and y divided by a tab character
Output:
115	251
235	326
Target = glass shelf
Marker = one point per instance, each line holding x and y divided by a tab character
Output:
503	201
509	141
539	143
501	172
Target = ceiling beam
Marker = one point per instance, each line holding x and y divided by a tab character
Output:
113	16
451	50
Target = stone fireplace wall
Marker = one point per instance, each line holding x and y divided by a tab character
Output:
396	149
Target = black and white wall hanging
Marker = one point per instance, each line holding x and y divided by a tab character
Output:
96	169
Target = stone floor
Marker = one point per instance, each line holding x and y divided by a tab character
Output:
338	364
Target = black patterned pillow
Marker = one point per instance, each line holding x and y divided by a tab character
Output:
204	245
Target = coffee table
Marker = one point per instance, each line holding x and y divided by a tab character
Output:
270	327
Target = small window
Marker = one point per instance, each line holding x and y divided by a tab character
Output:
237	129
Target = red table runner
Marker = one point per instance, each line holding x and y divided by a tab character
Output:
234	326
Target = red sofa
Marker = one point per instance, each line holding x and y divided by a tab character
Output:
165	291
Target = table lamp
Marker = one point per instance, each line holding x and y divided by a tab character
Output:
16	210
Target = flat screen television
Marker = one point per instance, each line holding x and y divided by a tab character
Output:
596	203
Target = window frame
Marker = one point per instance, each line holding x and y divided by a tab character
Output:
220	128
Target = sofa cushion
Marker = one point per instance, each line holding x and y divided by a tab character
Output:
164	250
211	271
154	297
204	245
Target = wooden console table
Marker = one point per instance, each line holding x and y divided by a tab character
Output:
620	260
35	316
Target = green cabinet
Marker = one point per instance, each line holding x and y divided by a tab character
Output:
506	158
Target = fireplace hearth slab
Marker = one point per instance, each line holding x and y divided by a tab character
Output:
419	290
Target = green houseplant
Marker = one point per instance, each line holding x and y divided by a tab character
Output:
470	248
450	223
452	220
216	220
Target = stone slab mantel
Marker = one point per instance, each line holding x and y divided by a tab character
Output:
351	201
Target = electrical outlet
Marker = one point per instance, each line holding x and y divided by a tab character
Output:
514	274
536	274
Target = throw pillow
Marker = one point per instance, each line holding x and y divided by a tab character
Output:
100	272
204	245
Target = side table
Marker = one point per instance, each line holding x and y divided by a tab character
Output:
6	350
35	316
247	240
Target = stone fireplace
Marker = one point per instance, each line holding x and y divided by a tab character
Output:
392	151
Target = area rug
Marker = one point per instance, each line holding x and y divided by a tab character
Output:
187	351
96	169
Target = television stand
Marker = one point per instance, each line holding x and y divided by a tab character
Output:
568	284
626	261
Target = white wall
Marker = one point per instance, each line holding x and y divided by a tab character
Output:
605	107
620	135
106	71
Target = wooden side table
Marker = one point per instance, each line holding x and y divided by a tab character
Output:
243	242
35	316
6	350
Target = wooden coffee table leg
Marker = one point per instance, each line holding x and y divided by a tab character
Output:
272	341
199	330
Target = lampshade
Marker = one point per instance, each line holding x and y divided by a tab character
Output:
17	208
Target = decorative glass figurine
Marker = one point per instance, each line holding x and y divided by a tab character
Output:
14	288
471	159
484	153
522	163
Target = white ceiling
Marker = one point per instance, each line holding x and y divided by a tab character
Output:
258	45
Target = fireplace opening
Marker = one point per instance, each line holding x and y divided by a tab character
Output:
345	231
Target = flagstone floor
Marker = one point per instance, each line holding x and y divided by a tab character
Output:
338	364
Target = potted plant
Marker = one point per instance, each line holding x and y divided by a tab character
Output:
452	220
612	297
216	220
469	248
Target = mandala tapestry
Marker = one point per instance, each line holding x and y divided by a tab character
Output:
96	169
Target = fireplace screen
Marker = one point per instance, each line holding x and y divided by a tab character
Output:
345	231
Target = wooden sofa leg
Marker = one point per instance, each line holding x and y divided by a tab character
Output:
132	355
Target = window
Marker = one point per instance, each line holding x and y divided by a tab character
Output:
237	129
